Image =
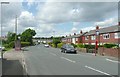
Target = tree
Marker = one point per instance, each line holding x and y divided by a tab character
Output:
56	41
27	35
10	37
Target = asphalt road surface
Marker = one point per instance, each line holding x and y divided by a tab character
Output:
50	61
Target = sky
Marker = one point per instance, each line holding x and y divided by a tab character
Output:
58	18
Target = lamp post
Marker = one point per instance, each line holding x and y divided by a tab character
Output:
1	27
96	42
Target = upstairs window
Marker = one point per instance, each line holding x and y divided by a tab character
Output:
93	37
86	37
106	36
117	35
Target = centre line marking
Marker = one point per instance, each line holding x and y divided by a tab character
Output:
53	54
68	59
112	60
98	71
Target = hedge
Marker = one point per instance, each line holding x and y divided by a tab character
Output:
80	45
24	44
59	45
74	45
110	45
10	45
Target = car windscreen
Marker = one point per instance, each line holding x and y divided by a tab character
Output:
69	46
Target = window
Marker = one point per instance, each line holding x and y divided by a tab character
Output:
117	35
76	39
93	37
86	37
106	36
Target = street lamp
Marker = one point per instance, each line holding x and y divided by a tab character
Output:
96	42
1	26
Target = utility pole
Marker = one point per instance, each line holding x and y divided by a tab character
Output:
16	27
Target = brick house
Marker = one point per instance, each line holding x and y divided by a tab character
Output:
106	35
76	38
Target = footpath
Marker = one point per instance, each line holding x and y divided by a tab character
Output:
12	64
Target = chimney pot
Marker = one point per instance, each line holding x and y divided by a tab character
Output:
74	33
81	32
119	23
97	27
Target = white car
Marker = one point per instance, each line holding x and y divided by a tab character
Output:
46	45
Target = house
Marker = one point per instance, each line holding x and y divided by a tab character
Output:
75	38
106	35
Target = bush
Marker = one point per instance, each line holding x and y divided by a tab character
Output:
59	45
24	44
110	45
80	45
53	45
10	45
90	46
74	45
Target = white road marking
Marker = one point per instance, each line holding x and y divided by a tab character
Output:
53	54
112	60
68	60
98	71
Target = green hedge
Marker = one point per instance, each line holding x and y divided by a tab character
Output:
110	45
80	45
89	46
74	45
24	44
59	45
10	45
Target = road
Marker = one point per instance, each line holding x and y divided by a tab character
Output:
50	61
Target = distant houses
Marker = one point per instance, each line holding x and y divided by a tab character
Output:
106	35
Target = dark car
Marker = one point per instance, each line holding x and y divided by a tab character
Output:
68	48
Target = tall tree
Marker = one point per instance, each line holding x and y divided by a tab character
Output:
27	35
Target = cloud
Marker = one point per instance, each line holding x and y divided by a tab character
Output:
59	12
110	21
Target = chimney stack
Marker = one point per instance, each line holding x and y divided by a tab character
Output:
74	33
97	27
70	34
81	32
66	35
119	23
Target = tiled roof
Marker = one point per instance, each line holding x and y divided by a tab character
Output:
75	36
110	29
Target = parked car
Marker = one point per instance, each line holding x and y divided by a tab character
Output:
68	48
46	45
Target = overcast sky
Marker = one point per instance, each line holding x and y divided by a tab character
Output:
51	17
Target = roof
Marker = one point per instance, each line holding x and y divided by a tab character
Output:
110	29
75	36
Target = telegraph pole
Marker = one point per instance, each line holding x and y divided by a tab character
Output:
16	27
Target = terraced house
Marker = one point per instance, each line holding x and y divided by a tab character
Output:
106	35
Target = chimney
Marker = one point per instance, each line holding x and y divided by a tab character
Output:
118	23
97	27
70	35
66	35
74	33
81	32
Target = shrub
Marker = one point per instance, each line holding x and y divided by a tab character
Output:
24	44
10	45
74	45
53	45
80	45
109	45
59	45
90	46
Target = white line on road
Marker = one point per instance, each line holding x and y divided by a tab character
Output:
112	60
53	54
98	71
68	59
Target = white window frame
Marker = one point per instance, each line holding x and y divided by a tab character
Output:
105	36
86	37
93	37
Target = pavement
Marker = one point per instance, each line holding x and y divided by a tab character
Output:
12	63
50	61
